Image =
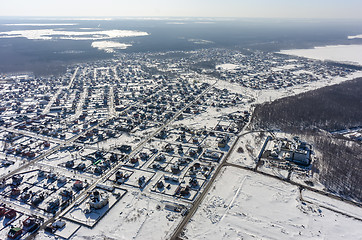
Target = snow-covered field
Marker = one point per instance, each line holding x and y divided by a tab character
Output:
227	66
200	41
207	119
246	205
247	149
328	202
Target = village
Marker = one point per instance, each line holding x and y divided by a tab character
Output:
75	147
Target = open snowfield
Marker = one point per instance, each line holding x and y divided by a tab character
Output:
247	149
228	66
207	119
328	202
246	205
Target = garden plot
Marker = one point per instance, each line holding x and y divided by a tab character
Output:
68	230
201	170
213	156
132	177
143	156
167	185
89	217
42	190
136	215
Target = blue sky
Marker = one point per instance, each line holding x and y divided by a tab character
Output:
185	8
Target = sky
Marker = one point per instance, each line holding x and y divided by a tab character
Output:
334	9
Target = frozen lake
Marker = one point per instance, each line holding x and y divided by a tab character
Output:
338	53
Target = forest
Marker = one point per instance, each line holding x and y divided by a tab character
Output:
330	108
314	115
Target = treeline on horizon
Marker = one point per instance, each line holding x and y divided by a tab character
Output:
313	114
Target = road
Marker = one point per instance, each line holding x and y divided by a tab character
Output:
224	163
33	135
107	174
201	197
72	79
114	168
111	108
52	100
55	96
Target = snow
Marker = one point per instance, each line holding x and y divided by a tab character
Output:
204	22
339	53
200	41
227	66
67	230
331	203
40	24
245	205
208	118
285	67
250	144
135	215
272	94
109	46
355	36
176	23
53	34
74	19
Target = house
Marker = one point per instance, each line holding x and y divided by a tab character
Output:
38	198
15	232
2	211
53	204
301	157
31	224
78	185
98	200
172	207
15	192
142	181
10	214
222	143
17	179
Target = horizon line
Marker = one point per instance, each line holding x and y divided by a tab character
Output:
178	17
